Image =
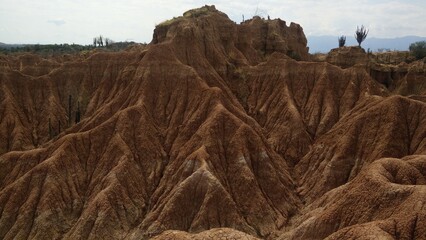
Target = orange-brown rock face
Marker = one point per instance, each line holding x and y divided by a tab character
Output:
347	56
213	131
384	201
398	71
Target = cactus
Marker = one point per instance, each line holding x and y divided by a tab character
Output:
361	34
77	114
342	41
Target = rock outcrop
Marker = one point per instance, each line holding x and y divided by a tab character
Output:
398	71
346	57
385	201
212	131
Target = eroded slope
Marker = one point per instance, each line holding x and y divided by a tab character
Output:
212	126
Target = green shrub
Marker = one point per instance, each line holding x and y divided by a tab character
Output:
294	55
418	49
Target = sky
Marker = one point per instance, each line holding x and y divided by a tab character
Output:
78	21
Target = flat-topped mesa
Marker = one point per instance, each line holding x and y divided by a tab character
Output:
255	38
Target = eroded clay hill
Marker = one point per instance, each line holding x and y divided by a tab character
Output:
213	131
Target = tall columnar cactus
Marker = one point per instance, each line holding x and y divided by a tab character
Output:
361	34
77	113
342	41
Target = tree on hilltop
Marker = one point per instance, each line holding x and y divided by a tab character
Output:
418	49
108	42
342	41
361	34
99	41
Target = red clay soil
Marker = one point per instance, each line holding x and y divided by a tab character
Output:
213	131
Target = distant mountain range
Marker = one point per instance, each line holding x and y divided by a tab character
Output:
325	43
8	46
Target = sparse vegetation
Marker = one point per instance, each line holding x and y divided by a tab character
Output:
361	34
198	11
168	22
101	41
418	49
189	14
59	49
47	50
97	41
294	55
77	113
108	42
342	41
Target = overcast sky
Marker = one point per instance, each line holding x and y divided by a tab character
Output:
78	21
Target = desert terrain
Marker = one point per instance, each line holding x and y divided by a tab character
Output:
214	130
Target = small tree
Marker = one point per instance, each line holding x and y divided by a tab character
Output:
361	34
101	41
342	41
418	49
108	42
